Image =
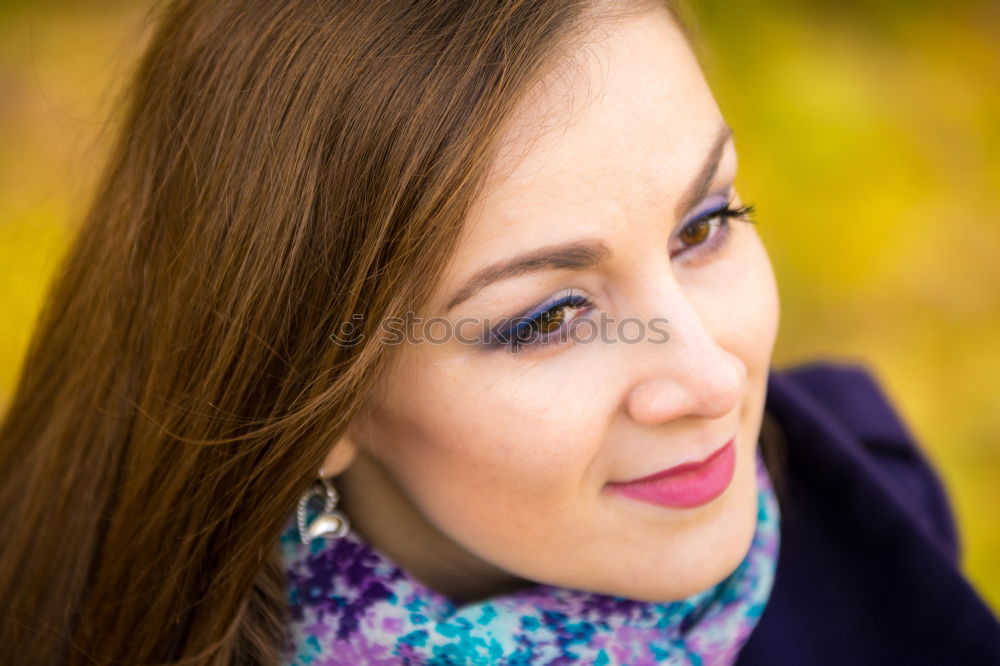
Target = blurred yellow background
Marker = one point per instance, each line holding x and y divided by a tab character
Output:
868	139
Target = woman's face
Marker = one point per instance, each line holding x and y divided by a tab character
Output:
494	465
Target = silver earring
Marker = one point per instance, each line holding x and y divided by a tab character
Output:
329	523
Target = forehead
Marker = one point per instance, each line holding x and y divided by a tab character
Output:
613	135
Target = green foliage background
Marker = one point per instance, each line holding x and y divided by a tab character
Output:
868	139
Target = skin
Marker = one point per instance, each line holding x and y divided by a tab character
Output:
480	471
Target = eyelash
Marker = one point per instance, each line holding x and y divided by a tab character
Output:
525	333
512	339
723	215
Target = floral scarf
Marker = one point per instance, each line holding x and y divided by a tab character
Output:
350	605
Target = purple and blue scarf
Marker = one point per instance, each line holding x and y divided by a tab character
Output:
350	606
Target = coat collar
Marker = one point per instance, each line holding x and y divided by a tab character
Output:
868	567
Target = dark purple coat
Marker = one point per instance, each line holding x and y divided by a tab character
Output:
868	571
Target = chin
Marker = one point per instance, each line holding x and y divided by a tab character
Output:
721	547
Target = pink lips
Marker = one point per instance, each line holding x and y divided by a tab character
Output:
688	485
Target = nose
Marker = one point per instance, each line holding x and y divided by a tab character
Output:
689	374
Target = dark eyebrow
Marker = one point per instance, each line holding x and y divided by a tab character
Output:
699	186
578	255
589	252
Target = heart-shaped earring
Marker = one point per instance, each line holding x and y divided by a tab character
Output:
329	523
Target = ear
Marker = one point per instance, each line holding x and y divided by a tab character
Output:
340	457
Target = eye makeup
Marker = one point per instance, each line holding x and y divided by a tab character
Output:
708	228
540	326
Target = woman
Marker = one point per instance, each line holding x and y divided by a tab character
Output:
476	276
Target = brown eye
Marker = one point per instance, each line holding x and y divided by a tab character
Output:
697	233
551	321
535	330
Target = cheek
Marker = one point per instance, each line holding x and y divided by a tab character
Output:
740	303
511	446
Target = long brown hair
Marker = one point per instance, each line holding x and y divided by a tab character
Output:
280	167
